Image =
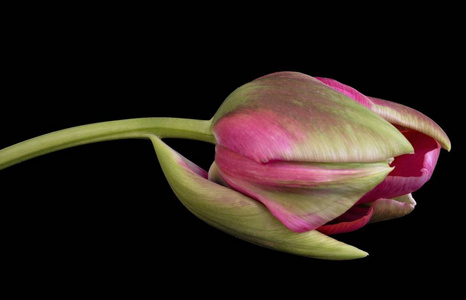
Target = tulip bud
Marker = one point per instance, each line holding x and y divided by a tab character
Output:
304	150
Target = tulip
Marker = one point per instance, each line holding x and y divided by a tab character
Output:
317	159
297	159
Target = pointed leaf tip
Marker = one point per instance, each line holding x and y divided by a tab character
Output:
239	215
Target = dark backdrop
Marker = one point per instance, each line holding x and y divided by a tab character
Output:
105	211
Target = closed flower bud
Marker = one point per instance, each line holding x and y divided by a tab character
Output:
315	152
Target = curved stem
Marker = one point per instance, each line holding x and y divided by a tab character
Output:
106	131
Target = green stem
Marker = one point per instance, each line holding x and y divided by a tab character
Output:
106	131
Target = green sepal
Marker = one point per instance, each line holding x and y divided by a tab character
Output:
239	215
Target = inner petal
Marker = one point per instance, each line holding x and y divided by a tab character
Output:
424	157
355	218
411	171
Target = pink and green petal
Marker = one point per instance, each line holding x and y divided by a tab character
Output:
387	209
394	113
407	117
303	196
239	215
290	116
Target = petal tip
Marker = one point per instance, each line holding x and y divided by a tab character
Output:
241	216
447	146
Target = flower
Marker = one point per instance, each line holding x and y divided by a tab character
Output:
320	155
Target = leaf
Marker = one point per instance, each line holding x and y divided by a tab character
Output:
239	215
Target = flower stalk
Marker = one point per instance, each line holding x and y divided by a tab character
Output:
139	128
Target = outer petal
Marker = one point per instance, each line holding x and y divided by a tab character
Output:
240	215
303	196
293	117
393	112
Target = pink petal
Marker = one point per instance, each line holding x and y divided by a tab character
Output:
411	171
257	134
355	218
291	174
360	215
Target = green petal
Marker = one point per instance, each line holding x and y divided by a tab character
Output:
240	215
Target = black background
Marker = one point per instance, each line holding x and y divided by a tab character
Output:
104	212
